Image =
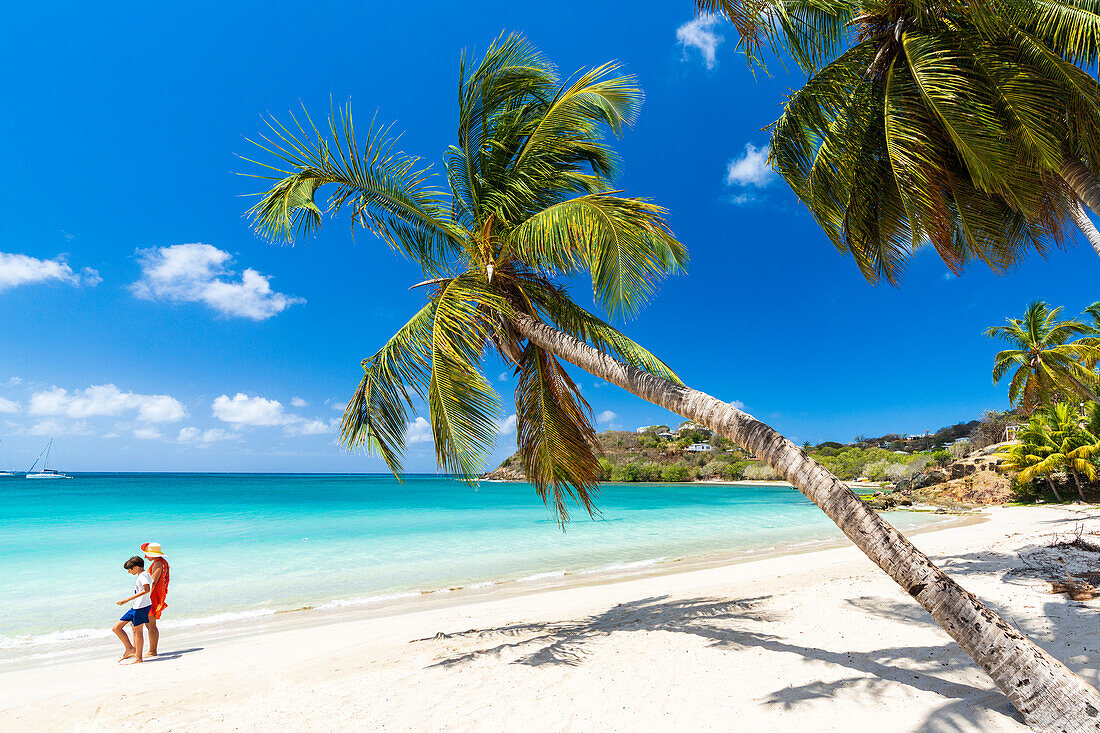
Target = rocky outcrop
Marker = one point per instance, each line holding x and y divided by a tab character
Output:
883	501
513	472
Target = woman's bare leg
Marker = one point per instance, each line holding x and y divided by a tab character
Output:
154	636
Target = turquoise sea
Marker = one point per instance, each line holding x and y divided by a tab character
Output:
244	545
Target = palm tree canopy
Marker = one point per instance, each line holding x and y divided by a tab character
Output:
1049	357
932	122
1056	434
1054	440
528	203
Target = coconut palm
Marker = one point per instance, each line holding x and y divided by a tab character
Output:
1092	413
529	204
934	123
1050	357
1093	312
1025	456
1075	448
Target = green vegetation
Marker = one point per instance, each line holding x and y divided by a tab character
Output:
1054	442
1055	382
1052	359
529	205
935	126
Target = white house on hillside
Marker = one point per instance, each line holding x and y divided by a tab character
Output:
689	425
698	448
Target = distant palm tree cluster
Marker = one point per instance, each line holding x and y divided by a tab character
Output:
1055	383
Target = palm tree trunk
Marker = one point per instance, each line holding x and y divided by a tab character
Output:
1084	223
1050	696
1055	490
1083	389
1077	483
1087	187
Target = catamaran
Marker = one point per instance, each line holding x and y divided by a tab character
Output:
45	472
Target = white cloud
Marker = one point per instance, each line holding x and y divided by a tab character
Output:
338	405
306	426
743	199
507	426
199	273
8	405
147	434
106	400
606	416
298	402
418	431
751	169
52	427
699	34
17	269
194	435
13	382
244	411
504	376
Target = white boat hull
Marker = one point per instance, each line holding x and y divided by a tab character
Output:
47	475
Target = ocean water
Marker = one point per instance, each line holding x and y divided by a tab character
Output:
244	545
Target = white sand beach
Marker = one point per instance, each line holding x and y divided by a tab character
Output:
808	642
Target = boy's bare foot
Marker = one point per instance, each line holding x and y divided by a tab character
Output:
150	654
127	655
134	661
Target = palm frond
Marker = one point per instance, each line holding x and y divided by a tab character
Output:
579	323
623	242
388	192
557	443
376	416
464	408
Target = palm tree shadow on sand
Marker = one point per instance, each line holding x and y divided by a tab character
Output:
929	668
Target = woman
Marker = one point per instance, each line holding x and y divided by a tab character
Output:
158	568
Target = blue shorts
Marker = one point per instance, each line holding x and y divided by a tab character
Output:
137	616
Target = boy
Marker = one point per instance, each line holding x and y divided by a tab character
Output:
138	615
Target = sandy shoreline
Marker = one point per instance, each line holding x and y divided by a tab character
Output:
70	646
821	640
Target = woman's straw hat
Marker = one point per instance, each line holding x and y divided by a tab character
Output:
152	549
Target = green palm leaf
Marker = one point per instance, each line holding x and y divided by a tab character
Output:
376	416
386	191
464	408
557	444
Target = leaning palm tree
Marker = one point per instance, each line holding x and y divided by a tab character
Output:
970	127
529	205
1050	357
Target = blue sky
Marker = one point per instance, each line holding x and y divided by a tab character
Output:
146	328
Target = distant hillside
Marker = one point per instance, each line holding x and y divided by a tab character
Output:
691	453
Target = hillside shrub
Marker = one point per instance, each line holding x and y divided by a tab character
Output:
760	472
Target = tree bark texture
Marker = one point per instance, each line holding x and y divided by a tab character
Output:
1087	187
1055	490
1046	692
1084	223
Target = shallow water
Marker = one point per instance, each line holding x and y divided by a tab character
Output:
255	544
